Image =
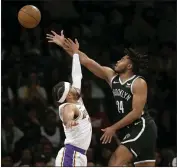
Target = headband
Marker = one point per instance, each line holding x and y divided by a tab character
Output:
65	93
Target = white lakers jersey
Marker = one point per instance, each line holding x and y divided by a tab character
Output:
80	135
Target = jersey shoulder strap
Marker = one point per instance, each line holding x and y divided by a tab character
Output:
133	80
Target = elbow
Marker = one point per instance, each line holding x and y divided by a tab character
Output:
137	115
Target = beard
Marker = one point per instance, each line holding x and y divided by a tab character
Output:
120	70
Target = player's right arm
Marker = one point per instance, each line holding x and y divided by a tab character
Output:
102	72
68	112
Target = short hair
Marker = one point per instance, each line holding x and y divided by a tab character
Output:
58	91
139	60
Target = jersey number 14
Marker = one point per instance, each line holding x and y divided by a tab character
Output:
120	106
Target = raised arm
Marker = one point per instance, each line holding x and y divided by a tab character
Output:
102	72
69	46
76	72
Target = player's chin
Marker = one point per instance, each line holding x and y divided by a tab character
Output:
116	69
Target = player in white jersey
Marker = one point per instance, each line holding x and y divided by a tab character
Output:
76	121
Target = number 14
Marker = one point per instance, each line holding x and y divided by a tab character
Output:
120	106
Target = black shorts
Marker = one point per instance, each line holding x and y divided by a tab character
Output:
140	139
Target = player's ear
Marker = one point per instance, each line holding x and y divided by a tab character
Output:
130	66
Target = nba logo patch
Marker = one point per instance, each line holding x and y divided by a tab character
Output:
128	85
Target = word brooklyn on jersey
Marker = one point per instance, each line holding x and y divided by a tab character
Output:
121	93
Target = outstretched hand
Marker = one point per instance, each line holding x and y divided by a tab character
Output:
71	46
56	38
107	135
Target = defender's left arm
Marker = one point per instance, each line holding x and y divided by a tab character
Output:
76	72
139	101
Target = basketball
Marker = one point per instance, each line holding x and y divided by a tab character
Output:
29	16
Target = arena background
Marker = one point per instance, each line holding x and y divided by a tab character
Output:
31	132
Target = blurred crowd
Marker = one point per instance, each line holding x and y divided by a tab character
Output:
31	133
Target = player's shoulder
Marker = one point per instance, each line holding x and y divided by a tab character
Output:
140	81
66	106
139	84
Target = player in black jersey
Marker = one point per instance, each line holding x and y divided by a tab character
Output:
136	129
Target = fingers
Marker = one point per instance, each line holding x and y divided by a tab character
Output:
71	42
50	38
76	41
66	48
67	43
53	33
102	137
50	41
110	138
50	35
62	33
106	139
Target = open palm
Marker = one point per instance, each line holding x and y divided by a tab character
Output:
56	38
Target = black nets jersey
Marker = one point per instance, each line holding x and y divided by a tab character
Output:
123	96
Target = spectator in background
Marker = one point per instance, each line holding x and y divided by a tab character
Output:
158	159
31	127
7	96
174	162
6	161
50	130
25	160
48	153
10	134
33	91
167	157
39	160
139	30
167	25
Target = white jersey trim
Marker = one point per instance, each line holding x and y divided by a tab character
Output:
122	83
144	161
133	83
135	154
112	80
140	133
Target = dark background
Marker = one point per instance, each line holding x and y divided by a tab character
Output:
31	132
